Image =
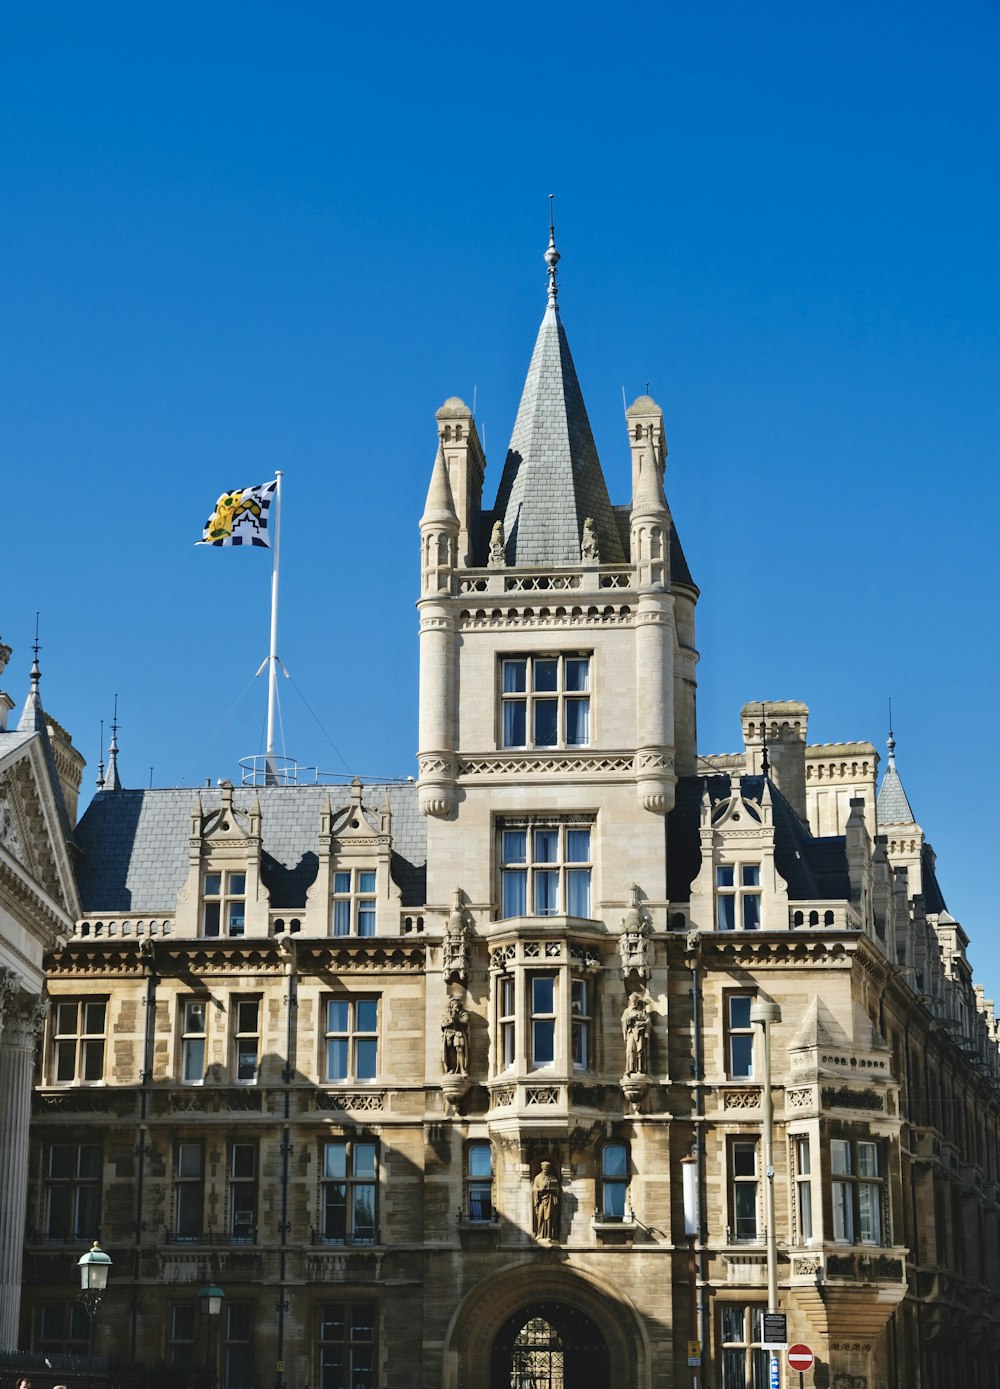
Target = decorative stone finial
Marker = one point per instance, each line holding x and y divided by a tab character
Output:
455	947
552	256
633	944
589	550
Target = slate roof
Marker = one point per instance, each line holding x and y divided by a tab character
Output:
552	479
814	868
892	807
134	843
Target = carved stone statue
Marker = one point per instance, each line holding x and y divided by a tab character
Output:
546	1195
498	552
635	1030
455	1039
633	948
455	947
589	551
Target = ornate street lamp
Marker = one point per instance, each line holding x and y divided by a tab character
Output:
210	1306
94	1267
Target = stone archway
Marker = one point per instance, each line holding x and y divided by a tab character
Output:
592	1333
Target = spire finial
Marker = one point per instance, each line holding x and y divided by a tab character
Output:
112	781
36	673
890	741
100	763
552	256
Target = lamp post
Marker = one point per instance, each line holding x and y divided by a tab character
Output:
689	1179
94	1267
764	1012
210	1305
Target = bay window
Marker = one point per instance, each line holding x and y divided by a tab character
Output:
856	1188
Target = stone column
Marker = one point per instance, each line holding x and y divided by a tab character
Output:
22	1020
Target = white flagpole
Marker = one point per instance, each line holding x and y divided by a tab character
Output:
272	660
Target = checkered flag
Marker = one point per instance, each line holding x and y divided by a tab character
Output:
240	517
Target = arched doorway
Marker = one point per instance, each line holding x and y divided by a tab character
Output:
549	1345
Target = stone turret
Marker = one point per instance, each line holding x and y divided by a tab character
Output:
466	465
439	532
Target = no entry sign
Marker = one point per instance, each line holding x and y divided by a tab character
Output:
800	1357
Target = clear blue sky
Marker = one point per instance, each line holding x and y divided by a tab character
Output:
242	236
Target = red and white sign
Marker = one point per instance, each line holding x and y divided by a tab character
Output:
800	1357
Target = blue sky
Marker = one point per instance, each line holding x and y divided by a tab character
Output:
246	236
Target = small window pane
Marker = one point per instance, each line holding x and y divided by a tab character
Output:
546	891
739	1010
751	912
366	917
867	1160
367	1015
93	1060
543	1042
93	1018
335	1160
751	875
546	723
337	1014
194	1017
726	914
840	1155
237	882
515	846
66	1018
336	1058
724	877
515	892
514	677
578	891
366	1059
247	1013
514	723
577	674
741	1049
341	882
546	846
342	917
235	918
578	846
244	1160
480	1160
543	994
212	918
744	1160
364	1159
194	1058
366	882
213	884
577	722
546	674
614	1160
189	1159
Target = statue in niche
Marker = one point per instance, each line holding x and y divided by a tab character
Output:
455	1039
498	551
546	1195
589	552
635	1030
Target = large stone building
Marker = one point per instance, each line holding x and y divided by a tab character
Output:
413	1072
40	773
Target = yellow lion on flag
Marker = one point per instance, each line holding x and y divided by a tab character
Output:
228	509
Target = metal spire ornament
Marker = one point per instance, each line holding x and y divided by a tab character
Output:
552	256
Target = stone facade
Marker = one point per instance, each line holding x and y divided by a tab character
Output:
412	1072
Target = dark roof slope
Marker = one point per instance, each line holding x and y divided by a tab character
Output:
134	843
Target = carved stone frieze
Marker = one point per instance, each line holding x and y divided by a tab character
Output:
529	764
357	1101
746	1097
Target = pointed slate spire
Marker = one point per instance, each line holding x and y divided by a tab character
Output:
552	480
892	807
112	781
32	718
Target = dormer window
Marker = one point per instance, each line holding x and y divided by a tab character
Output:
545	701
737	897
224	904
354	902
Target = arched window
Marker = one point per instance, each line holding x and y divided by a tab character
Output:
537	1361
